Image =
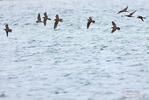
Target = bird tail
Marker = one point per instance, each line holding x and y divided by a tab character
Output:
118	28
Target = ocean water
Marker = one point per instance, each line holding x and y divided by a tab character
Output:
71	62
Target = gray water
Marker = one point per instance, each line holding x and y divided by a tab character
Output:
71	62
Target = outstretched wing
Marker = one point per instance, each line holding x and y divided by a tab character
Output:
142	19
49	18
132	13
113	23
88	24
113	30
61	20
55	24
123	10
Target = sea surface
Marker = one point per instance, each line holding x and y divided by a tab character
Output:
72	62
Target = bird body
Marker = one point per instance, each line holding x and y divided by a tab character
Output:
38	18
114	28
45	18
142	18
57	20
130	15
90	20
7	29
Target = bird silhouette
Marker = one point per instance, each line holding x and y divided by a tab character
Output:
57	20
38	18
90	20
142	18
7	29
114	28
45	18
123	10
130	15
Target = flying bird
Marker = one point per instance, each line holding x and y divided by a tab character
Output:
142	18
38	18
7	29
123	10
45	18
90	20
114	28
130	15
57	20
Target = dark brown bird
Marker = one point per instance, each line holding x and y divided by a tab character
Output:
7	29
130	15
38	18
142	18
114	28
57	20
123	10
45	18
90	20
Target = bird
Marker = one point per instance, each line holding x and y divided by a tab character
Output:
114	28
7	29
130	15
90	20
141	17
45	18
57	20
123	10
38	18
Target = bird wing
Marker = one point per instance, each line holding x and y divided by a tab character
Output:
61	20
142	19
88	24
55	24
123	10
49	18
120	12
132	13
113	23
113	30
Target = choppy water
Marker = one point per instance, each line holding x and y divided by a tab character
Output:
71	62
